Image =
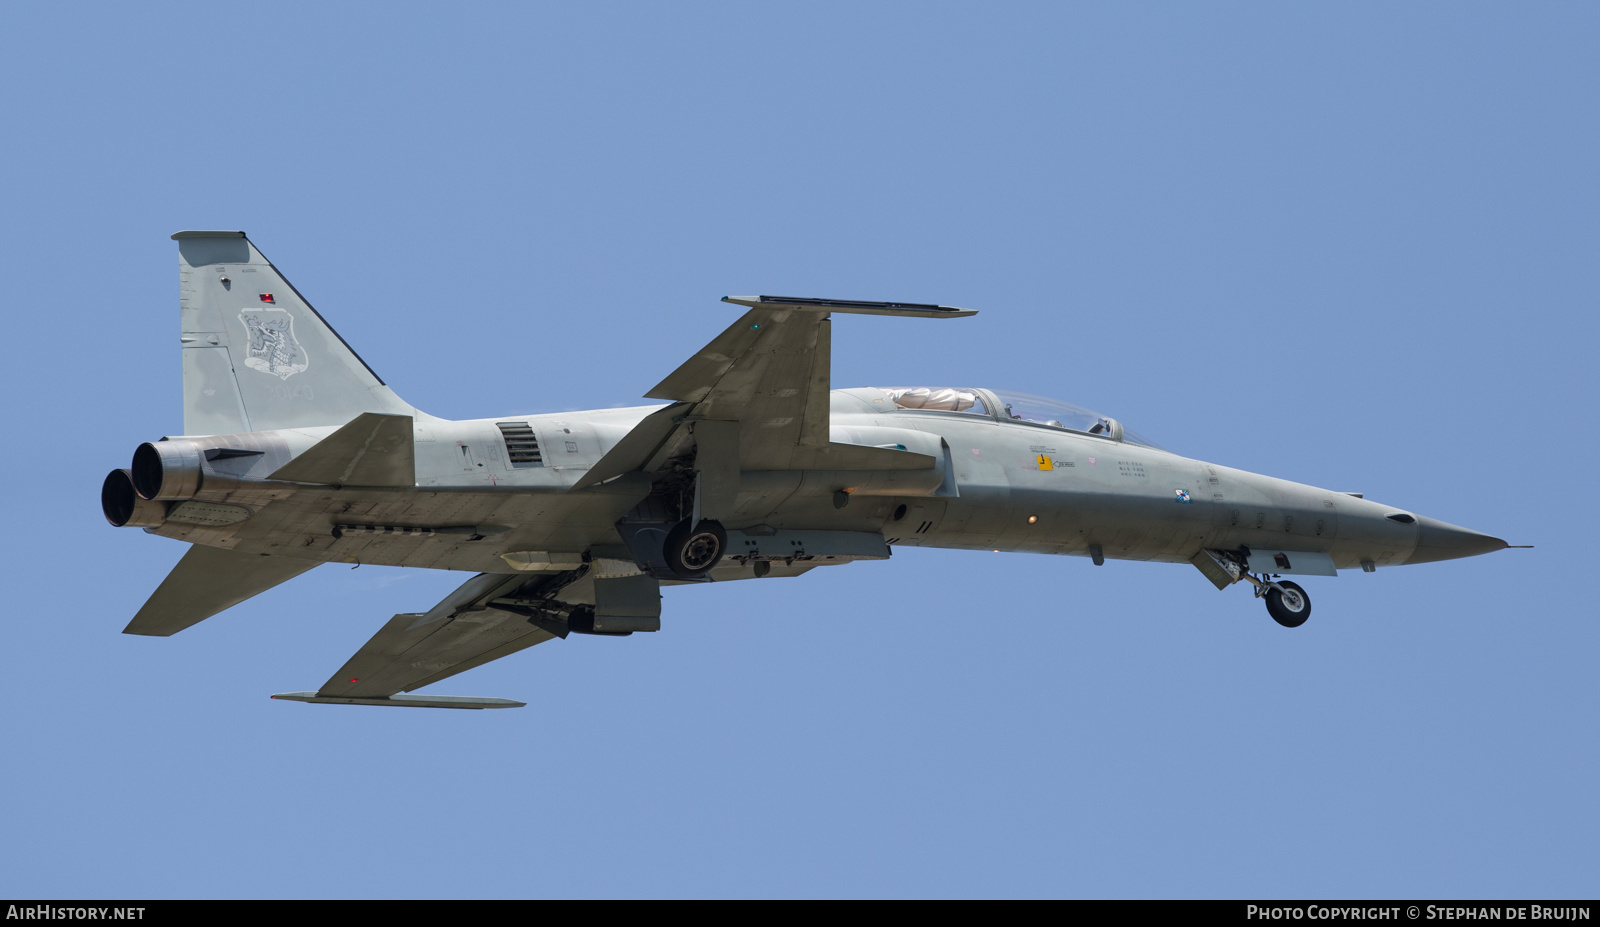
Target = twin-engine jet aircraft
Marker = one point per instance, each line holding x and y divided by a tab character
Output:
295	453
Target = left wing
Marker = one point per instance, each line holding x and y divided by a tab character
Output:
765	380
491	615
414	650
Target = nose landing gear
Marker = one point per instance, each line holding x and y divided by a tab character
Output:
1287	603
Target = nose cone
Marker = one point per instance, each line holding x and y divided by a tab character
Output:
1439	541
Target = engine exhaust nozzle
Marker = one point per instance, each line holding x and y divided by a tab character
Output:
122	505
166	470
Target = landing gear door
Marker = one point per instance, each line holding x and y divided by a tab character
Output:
1278	562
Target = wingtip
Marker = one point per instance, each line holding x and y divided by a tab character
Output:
204	233
853	306
402	701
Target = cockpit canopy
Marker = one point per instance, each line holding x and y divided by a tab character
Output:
1017	407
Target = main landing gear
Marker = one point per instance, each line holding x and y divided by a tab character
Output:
692	550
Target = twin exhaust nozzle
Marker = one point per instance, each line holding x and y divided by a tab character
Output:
123	507
166	470
162	472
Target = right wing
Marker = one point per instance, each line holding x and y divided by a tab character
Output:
487	618
762	388
770	372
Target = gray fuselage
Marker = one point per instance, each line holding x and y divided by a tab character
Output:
1000	484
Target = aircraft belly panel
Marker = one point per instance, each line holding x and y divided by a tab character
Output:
922	517
224	537
304	525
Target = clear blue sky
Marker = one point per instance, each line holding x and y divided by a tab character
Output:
1348	244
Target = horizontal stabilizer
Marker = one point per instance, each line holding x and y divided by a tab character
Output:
405	701
856	306
374	449
206	581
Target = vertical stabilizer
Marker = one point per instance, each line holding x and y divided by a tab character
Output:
256	356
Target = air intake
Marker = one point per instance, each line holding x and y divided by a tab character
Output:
521	446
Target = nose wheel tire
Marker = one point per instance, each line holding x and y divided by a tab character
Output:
692	550
1289	606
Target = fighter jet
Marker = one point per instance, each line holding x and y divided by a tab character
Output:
749	466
